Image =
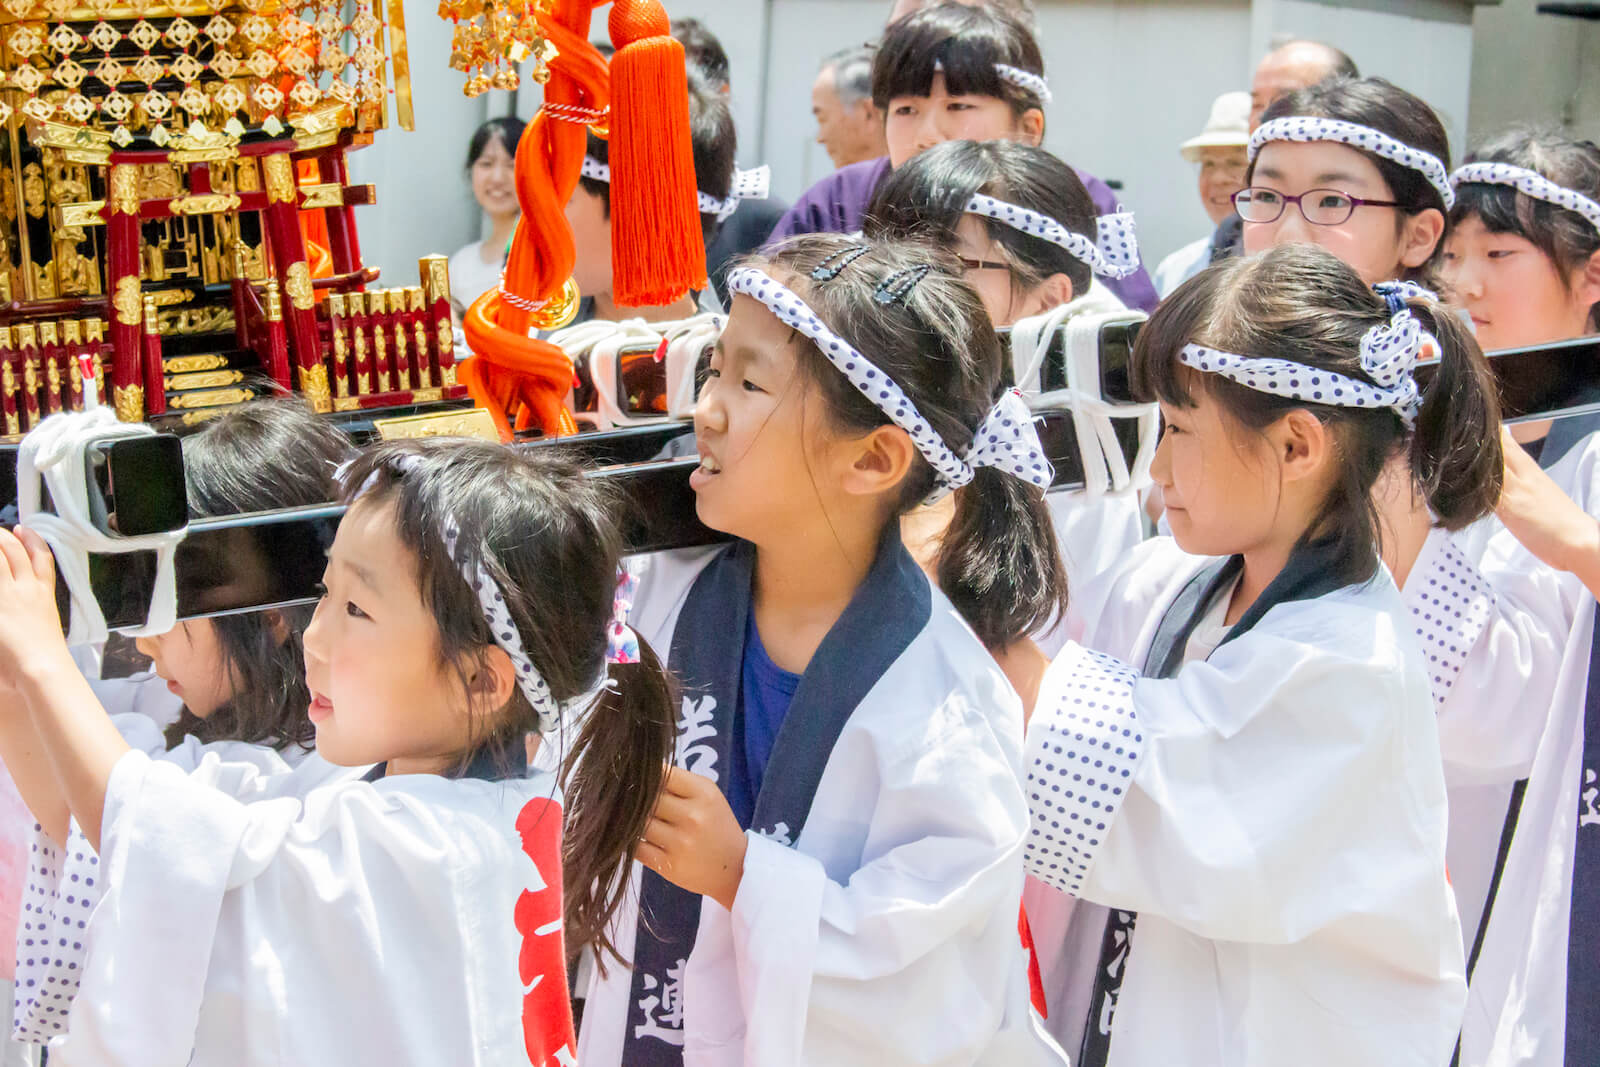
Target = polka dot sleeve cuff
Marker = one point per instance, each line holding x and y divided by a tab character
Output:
64	885
1451	605
1082	750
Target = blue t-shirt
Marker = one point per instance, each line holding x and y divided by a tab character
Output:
765	693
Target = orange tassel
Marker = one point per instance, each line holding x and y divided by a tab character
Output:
657	249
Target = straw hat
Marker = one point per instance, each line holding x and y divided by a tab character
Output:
1228	126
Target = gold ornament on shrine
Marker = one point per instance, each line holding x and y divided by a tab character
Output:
493	38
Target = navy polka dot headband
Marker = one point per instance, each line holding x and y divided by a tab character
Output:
1306	129
1530	183
1113	254
1007	439
1389	353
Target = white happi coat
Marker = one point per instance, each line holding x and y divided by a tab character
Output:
249	918
887	933
1276	816
1529	702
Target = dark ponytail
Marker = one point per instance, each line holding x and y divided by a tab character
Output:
1300	303
1455	445
998	561
548	536
611	778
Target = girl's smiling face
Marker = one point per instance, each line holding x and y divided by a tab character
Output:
1515	293
379	689
1380	243
916	123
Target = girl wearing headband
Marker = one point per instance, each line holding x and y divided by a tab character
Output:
1524	259
416	916
1028	238
837	858
232	686
1357	166
1253	783
1029	242
1523	256
947	73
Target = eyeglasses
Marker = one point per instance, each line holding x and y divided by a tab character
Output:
1320	207
981	264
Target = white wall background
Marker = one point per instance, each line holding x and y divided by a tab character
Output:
1528	67
1132	79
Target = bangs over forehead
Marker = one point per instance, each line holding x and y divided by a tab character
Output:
964	44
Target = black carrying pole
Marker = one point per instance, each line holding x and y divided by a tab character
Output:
252	562
215	576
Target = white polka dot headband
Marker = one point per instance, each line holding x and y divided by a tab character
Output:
1025	80
621	644
1114	253
1531	183
1389	353
1309	128
747	185
1006	440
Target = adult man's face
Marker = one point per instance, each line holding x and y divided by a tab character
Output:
1282	72
849	133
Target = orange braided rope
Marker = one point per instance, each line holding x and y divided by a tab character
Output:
520	380
657	249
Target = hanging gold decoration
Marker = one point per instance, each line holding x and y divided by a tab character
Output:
494	37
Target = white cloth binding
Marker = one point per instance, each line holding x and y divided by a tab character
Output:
1006	440
53	454
1530	183
1105	469
1306	129
1113	254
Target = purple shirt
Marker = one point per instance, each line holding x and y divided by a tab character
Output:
837	203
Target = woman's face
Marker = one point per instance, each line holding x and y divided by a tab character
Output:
494	180
916	123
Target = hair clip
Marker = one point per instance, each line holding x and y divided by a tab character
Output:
895	288
830	268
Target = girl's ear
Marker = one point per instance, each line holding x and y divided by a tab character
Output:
277	625
1419	236
877	462
1586	282
1303	445
1053	292
1030	127
492	681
